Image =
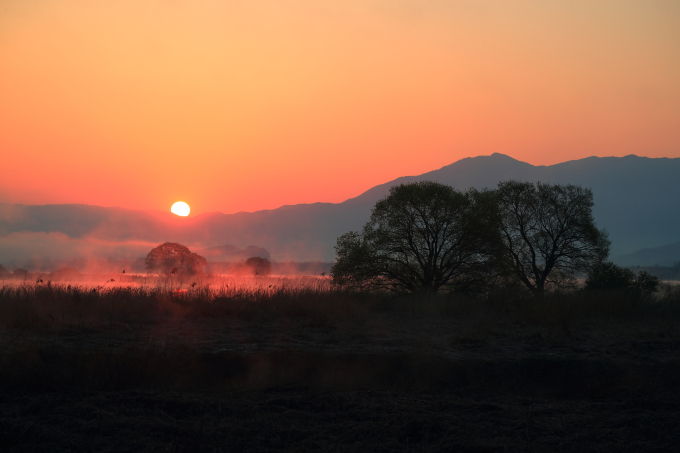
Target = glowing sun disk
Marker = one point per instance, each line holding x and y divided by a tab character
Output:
180	208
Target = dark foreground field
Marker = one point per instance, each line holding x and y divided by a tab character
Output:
331	420
300	366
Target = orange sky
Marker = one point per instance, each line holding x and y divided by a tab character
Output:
244	105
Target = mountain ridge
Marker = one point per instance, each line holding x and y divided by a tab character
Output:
633	199
665	255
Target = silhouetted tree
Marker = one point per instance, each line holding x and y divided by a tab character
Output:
20	273
646	282
171	258
259	266
609	276
548	232
4	273
65	273
423	236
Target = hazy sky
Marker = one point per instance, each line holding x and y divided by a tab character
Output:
236	105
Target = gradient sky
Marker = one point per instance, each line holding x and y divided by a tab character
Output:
243	105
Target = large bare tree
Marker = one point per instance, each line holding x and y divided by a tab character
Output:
548	232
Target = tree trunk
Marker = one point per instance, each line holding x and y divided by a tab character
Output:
539	291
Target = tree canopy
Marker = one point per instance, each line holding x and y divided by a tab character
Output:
171	258
423	236
548	232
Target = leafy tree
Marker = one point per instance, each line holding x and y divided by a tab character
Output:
548	231
609	276
259	266
171	258
4	273
423	236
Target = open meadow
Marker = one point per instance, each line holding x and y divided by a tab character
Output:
291	363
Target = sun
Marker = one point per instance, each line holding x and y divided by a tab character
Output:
180	208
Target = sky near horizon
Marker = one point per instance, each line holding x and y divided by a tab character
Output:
235	105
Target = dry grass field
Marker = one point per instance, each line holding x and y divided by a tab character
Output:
291	364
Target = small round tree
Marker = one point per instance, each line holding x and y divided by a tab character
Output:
171	258
20	273
260	266
65	273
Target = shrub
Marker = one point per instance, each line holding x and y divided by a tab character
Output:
646	282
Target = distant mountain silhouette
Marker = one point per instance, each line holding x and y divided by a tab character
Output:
636	200
666	255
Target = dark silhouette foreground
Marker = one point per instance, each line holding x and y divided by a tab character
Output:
427	236
422	237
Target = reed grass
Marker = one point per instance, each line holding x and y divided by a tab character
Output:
283	364
67	325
